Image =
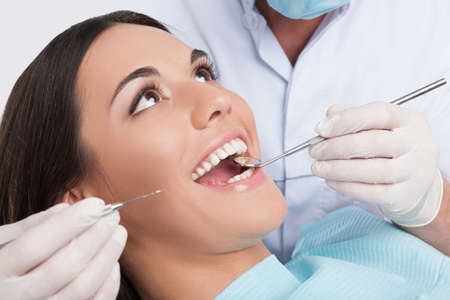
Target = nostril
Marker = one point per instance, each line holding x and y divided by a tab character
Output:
214	115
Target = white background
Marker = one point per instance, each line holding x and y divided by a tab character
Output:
26	27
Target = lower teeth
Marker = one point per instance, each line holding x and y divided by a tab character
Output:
246	174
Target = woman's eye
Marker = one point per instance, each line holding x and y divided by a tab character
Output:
147	100
202	75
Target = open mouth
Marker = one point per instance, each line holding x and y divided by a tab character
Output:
219	167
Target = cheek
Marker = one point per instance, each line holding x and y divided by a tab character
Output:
243	110
244	114
142	156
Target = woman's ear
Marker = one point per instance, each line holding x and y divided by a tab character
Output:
73	196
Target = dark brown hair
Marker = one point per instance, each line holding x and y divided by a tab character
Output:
41	155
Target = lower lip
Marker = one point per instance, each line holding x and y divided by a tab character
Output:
257	177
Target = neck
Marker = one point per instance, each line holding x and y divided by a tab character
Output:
161	272
293	35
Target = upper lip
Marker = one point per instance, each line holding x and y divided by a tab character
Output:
220	141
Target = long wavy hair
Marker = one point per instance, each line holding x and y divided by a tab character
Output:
41	154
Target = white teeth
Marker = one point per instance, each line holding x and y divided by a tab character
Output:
243	147
229	149
244	175
200	172
235	146
214	160
221	154
247	173
207	166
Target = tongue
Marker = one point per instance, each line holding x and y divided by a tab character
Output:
220	174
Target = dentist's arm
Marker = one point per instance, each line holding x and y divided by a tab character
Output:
386	154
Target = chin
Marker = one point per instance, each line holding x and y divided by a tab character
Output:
266	214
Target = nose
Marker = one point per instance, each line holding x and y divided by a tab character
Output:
211	104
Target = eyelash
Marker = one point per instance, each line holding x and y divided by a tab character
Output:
203	65
206	64
149	87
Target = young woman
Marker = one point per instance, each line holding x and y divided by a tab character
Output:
116	107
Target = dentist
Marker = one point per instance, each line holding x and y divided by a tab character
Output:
292	60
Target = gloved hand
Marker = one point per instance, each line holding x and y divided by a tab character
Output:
385	154
64	252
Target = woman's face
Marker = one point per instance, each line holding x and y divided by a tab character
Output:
152	115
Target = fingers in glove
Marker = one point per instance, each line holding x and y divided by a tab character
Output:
100	268
13	231
388	195
373	193
335	108
110	288
39	242
68	262
364	144
375	170
375	115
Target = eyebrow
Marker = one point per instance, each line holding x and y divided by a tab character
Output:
141	72
149	71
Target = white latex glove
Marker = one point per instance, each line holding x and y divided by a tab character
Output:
62	253
384	154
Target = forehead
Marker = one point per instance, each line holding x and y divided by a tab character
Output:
125	47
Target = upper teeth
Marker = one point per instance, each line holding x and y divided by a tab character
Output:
236	146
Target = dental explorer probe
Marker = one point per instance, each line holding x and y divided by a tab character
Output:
251	162
109	208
